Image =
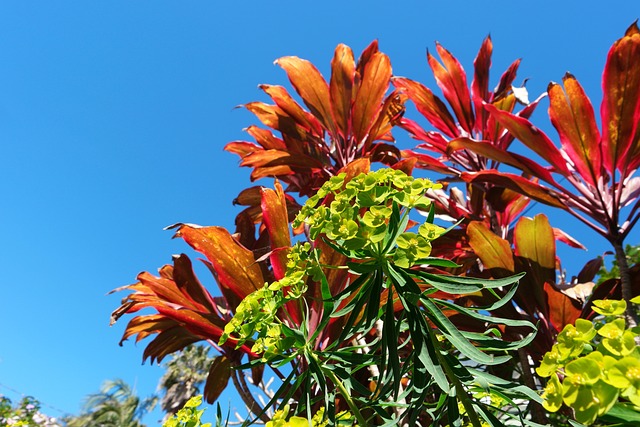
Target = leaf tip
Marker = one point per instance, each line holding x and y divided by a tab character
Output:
633	29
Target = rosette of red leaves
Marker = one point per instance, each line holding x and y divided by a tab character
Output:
348	118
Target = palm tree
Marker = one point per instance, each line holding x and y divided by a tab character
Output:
184	376
115	405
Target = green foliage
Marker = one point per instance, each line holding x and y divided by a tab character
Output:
599	363
419	354
281	419
632	253
189	415
25	413
116	405
184	376
361	315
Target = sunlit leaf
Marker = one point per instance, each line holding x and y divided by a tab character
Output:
494	252
621	102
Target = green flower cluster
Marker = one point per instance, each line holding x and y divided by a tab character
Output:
256	315
598	364
189	415
355	214
279	419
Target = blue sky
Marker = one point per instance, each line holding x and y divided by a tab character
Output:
113	115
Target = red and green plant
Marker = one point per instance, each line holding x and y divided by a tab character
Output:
350	289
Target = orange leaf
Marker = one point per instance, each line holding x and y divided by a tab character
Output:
241	148
534	240
572	115
311	86
355	168
235	267
270	172
535	246
562	309
368	100
343	68
493	251
278	158
144	326
274	117
265	138
283	100
249	196
167	342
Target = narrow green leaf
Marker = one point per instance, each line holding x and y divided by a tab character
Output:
473	313
456	338
390	340
437	262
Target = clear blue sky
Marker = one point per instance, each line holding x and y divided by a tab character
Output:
113	115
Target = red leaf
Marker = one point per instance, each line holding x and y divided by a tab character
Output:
506	81
492	152
424	161
275	217
531	136
385	153
434	141
453	82
620	108
343	68
429	105
218	378
495	132
565	238
480	83
517	183
590	269
572	115
390	115
189	284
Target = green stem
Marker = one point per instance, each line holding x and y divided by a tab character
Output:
343	391
461	393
